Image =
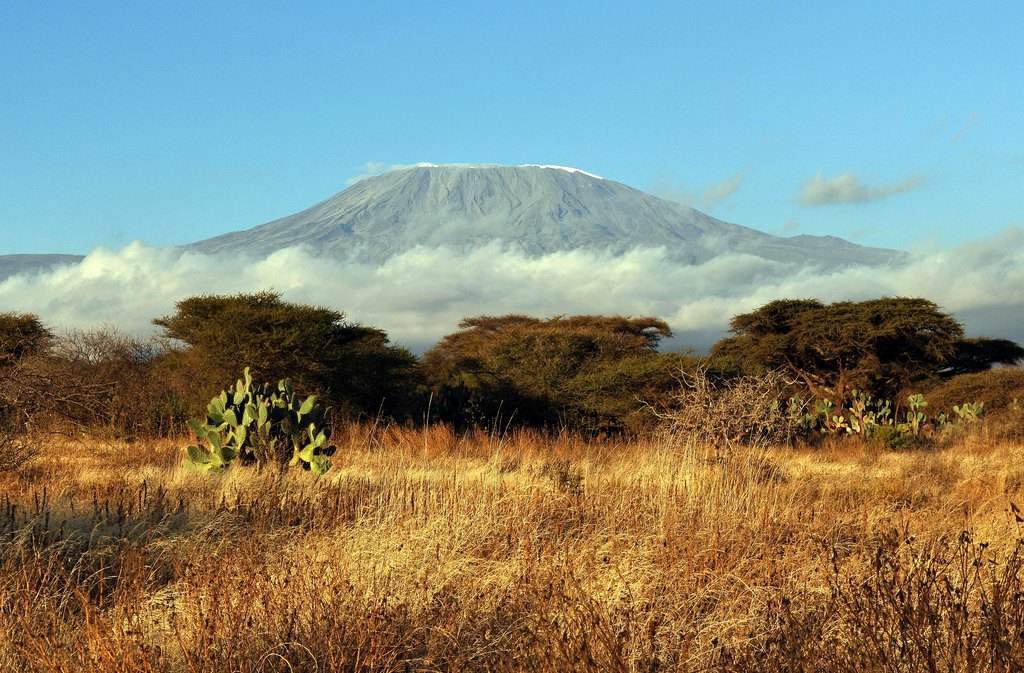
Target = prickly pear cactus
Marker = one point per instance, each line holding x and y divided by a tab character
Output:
261	424
877	419
969	412
915	418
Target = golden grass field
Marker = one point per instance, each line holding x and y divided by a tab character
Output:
427	551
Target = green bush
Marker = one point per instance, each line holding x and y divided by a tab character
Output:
892	438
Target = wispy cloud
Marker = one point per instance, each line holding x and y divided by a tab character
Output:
847	188
421	295
712	196
720	191
968	125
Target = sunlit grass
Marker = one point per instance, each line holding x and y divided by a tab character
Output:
427	550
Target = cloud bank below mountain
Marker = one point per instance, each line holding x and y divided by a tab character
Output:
422	294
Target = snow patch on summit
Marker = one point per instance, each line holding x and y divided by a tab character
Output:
427	164
567	169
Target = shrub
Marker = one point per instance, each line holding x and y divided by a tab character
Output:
893	424
724	412
996	389
1001	391
144	393
37	387
21	337
892	438
15	451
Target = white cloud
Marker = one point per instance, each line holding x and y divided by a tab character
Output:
422	294
847	188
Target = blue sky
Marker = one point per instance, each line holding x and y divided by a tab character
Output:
172	122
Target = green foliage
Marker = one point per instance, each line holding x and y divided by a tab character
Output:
799	416
879	346
258	424
588	373
892	437
353	367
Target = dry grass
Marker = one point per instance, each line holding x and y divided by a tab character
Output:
424	551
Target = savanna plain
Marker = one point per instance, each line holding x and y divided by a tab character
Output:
832	488
429	550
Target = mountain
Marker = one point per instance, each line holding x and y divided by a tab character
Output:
11	265
537	209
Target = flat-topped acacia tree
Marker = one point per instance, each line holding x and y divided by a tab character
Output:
353	367
587	372
880	345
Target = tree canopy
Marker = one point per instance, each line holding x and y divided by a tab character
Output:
21	335
585	372
978	355
354	366
879	345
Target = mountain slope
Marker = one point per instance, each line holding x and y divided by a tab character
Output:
537	209
11	265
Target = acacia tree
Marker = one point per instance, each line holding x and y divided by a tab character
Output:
354	366
21	335
584	372
879	345
978	355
